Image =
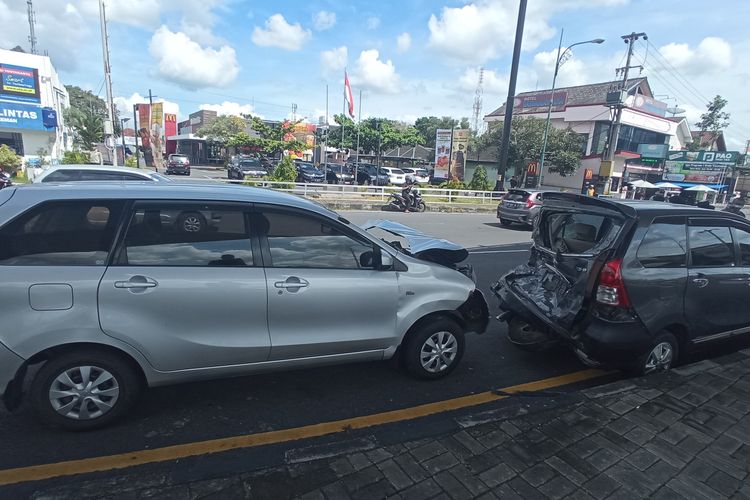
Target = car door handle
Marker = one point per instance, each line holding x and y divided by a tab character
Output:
701	282
292	283
137	282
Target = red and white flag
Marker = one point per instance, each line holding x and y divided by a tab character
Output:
348	94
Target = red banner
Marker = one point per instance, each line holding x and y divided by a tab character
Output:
170	129
144	123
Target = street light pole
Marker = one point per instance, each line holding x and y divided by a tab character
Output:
560	55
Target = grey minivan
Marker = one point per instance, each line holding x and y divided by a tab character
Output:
103	296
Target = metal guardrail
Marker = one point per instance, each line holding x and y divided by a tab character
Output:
349	192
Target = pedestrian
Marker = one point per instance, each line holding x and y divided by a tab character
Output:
513	183
591	191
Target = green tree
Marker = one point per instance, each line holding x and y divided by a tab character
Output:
479	181
285	171
714	121
386	133
88	128
268	138
86	102
223	129
9	160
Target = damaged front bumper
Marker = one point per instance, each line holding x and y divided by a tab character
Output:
475	313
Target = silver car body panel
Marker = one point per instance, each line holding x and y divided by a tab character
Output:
173	336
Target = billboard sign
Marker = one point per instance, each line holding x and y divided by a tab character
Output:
442	153
18	83
459	152
653	150
144	123
538	103
24	116
729	157
699	166
647	104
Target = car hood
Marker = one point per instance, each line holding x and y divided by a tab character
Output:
423	246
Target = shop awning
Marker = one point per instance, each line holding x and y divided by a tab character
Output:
693	184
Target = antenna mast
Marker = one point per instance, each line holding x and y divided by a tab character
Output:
478	124
32	22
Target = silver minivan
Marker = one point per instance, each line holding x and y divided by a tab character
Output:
103	296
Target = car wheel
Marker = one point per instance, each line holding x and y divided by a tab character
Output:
505	222
188	173
660	357
84	390
368	182
434	349
191	222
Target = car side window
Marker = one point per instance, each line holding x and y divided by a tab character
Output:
300	241
664	244
194	235
742	237
63	176
710	244
69	233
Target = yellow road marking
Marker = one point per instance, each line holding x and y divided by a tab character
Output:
167	453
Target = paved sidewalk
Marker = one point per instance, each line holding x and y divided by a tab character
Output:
682	434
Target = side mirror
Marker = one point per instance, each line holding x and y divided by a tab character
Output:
367	259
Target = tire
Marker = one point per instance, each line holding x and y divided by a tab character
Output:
505	222
417	344
368	182
660	356
421	207
191	222
122	389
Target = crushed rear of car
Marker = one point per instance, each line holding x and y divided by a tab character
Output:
571	289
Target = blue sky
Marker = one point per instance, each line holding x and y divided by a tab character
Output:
410	57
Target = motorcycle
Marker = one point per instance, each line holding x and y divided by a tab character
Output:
5	180
415	202
734	209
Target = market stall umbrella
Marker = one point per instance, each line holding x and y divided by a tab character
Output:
642	184
667	185
701	188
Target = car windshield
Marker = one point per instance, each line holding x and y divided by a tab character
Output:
397	171
517	196
250	164
310	169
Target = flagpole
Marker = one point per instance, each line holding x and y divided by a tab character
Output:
359	125
325	143
343	117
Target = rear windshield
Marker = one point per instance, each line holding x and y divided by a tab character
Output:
517	196
575	233
397	171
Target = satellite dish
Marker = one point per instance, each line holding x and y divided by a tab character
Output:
675	111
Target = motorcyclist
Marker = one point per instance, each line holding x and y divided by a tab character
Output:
735	207
407	199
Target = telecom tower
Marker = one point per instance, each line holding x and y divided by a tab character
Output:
478	122
32	22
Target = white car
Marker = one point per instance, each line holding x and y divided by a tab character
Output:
68	173
418	175
396	175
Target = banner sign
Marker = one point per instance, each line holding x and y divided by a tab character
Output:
24	116
144	123
532	174
442	153
458	153
18	83
729	157
653	150
647	104
538	103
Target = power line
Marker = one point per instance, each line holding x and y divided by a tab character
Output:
686	91
685	81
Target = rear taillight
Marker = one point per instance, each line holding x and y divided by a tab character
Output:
187	163
530	203
611	290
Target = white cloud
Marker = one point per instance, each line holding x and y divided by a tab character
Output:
184	62
372	73
201	33
572	71
230	108
403	42
279	33
324	20
334	60
492	83
711	54
373	22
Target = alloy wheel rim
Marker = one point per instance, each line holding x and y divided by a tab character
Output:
84	392
660	358
439	352
192	224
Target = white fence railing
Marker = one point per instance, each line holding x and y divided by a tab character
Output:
348	192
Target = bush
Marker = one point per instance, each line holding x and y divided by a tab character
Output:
285	171
479	181
131	161
75	158
452	184
9	160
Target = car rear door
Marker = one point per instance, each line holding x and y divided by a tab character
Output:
718	289
574	238
187	299
324	298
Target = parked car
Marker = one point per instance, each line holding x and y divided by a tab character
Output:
5	180
368	174
339	174
75	173
101	297
178	164
418	175
634	284
307	172
396	176
246	167
519	205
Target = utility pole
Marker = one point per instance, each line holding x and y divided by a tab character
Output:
135	127
508	118
32	23
109	129
325	143
607	167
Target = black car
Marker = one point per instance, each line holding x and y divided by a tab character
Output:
368	174
178	164
5	179
339	174
307	172
249	167
632	284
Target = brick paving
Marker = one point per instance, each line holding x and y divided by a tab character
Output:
682	434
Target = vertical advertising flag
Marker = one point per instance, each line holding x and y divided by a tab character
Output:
157	132
348	95
458	154
144	125
170	130
442	153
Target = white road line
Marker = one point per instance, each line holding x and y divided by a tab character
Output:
501	251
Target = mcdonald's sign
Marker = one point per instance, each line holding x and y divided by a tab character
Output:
532	168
